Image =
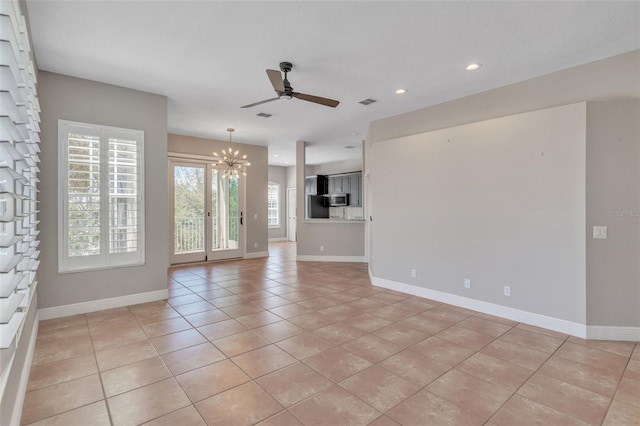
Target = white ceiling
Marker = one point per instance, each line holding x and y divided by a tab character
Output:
209	57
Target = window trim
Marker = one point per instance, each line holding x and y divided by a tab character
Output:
104	260
278	211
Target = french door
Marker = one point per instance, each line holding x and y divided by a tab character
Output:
207	213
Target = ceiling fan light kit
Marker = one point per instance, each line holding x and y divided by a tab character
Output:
231	163
284	90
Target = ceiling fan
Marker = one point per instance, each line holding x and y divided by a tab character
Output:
285	91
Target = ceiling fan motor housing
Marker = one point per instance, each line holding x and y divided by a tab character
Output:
286	66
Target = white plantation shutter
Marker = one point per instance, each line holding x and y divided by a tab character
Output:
273	209
83	194
123	195
101	206
19	148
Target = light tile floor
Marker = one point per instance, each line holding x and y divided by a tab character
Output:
275	342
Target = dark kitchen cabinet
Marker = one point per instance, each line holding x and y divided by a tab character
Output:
316	185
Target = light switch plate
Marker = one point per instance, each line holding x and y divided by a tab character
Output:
600	232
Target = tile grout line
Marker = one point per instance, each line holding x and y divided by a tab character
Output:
104	393
424	388
304	286
527	381
81	377
613	398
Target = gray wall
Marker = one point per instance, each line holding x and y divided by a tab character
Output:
338	239
613	200
68	98
338	167
615	78
500	202
278	175
291	176
256	187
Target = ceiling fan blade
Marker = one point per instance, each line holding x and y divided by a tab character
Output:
276	80
260	103
316	99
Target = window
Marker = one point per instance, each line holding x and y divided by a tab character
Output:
102	197
273	205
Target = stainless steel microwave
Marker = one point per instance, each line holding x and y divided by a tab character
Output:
339	200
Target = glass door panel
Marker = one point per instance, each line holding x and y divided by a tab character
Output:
226	227
189	210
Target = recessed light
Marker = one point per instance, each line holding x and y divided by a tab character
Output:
401	91
276	155
473	67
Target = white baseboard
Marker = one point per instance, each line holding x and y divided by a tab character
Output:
16	415
256	254
102	304
277	239
599	332
531	318
309	258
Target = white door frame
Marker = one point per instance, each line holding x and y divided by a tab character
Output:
291	221
180	158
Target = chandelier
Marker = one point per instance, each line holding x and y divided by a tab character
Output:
231	162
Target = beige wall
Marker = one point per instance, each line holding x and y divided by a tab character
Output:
500	202
613	200
256	186
68	98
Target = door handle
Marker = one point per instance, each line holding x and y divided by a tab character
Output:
241	218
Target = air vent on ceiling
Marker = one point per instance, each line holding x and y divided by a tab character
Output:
264	114
367	101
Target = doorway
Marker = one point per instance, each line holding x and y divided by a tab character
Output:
291	214
207	213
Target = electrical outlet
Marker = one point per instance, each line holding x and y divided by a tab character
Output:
255	245
600	232
507	290
321	248
467	283
413	273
